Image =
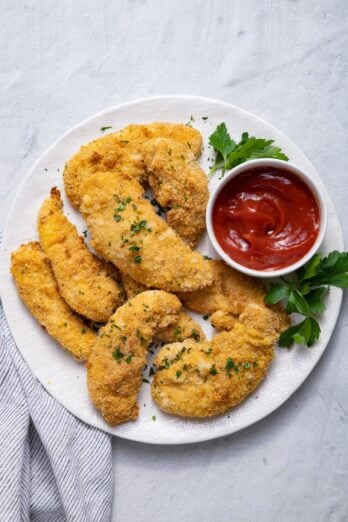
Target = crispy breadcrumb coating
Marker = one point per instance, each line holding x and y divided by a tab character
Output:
228	296
119	354
126	230
39	291
121	152
184	328
179	185
208	378
81	276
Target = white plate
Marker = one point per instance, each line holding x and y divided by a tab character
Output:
57	371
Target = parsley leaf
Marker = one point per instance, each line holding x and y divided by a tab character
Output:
314	299
332	270
306	332
103	129
304	294
230	154
277	292
222	143
297	303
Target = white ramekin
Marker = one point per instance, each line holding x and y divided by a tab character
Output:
287	166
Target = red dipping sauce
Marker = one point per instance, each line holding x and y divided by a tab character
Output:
266	218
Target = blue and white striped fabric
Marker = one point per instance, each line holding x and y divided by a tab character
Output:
53	467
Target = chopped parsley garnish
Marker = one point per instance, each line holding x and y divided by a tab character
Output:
84	233
134	248
178	373
145	380
137	226
103	129
140	336
129	358
137	259
229	366
153	417
195	335
117	354
121	207
205	317
165	362
213	370
206	257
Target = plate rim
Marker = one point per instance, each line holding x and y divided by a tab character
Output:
229	430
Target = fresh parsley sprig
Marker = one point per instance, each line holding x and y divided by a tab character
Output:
229	154
304	295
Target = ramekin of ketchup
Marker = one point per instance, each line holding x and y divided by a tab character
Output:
266	218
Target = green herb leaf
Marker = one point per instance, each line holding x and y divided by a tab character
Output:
230	154
332	270
309	269
276	293
213	370
314	299
306	332
103	129
315	331
222	142
297	303
117	354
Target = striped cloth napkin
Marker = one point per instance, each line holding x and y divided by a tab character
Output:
53	467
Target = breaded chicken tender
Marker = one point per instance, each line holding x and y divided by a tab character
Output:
184	328
179	185
208	378
126	231
121	152
81	277
228	296
132	287
119	354
39	291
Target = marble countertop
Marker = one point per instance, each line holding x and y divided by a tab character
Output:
285	61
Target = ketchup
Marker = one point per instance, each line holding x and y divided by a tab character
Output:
266	218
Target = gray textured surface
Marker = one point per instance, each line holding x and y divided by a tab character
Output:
285	61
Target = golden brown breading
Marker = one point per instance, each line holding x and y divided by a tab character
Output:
126	230
208	378
184	328
121	152
228	296
184	134
81	277
179	185
132	288
115	365
38	289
